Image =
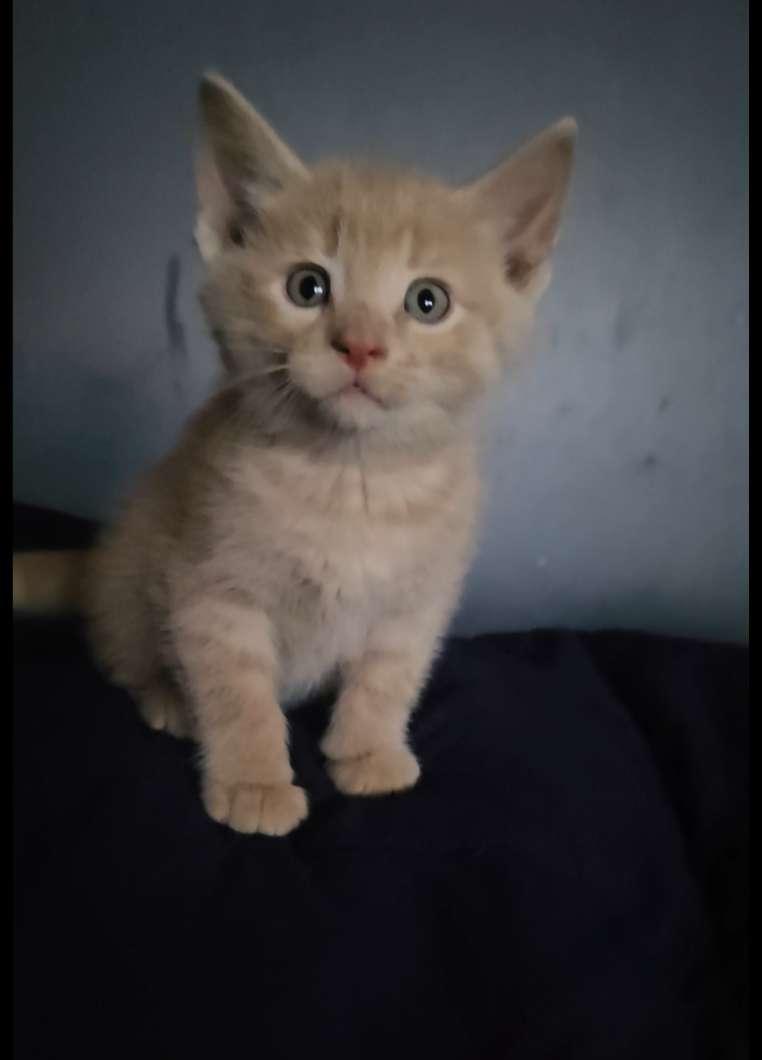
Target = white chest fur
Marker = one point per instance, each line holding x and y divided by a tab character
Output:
347	540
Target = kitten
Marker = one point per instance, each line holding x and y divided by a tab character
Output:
316	519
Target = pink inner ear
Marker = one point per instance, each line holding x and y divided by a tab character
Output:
534	244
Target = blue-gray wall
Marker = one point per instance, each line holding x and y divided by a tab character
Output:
619	469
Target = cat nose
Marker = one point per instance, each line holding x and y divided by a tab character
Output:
357	353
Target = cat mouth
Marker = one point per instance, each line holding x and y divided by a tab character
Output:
358	391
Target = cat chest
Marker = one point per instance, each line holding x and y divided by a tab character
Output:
353	537
333	554
355	566
342	587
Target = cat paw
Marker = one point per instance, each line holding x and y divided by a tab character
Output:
163	710
391	769
269	809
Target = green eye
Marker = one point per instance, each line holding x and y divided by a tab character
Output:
308	286
427	301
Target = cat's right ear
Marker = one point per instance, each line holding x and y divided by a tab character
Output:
240	160
525	196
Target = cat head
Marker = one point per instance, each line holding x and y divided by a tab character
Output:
360	298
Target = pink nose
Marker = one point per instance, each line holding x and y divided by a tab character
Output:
356	353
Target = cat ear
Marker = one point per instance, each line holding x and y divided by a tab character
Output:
240	160
525	196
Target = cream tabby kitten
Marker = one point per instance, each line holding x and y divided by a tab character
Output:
315	521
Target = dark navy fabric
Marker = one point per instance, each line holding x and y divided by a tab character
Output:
569	880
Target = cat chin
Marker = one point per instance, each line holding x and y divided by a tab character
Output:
350	413
353	410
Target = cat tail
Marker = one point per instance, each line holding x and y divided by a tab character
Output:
47	583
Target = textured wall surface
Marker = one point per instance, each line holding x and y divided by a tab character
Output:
619	452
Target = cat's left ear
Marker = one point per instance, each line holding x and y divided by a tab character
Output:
241	159
525	197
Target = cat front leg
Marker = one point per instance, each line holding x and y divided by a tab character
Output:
227	653
366	741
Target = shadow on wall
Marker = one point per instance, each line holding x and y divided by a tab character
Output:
100	431
104	428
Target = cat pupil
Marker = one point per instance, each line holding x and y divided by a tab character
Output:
309	288
425	300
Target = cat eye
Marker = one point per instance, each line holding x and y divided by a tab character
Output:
427	301
308	286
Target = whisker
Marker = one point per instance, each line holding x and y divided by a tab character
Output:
252	375
285	396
